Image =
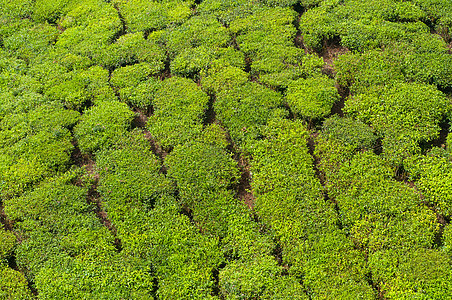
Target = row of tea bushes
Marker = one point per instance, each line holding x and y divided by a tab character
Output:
206	178
386	219
141	205
290	200
65	251
13	284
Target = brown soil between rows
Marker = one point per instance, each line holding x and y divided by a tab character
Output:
140	121
244	187
87	162
331	50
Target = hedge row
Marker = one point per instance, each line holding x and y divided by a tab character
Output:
206	178
290	200
179	106
403	114
65	250
386	219
399	27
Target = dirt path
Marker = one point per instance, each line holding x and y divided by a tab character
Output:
87	162
331	50
140	121
7	224
244	192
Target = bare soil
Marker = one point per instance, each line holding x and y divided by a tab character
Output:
140	121
94	197
332	49
338	106
210	116
87	162
244	187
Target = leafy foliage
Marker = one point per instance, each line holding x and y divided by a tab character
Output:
90	26
387	219
433	175
197	31
215	81
13	285
139	201
349	132
256	278
225	194
246	109
141	15
266	38
65	241
404	113
8	242
294	208
312	98
134	85
102	125
179	107
34	144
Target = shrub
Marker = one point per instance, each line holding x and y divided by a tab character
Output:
202	59
423	273
204	173
224	79
133	48
349	132
447	235
7	244
410	112
79	88
29	42
126	182
440	11
141	15
239	280
16	9
246	109
198	31
312	98
90	26
266	37
228	10
309	65
65	276
370	70
149	222
34	144
199	168
102	125
335	269
44	11
134	84
179	107
433	175
13	285
293	206
130	75
361	25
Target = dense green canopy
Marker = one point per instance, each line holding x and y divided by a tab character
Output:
225	149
